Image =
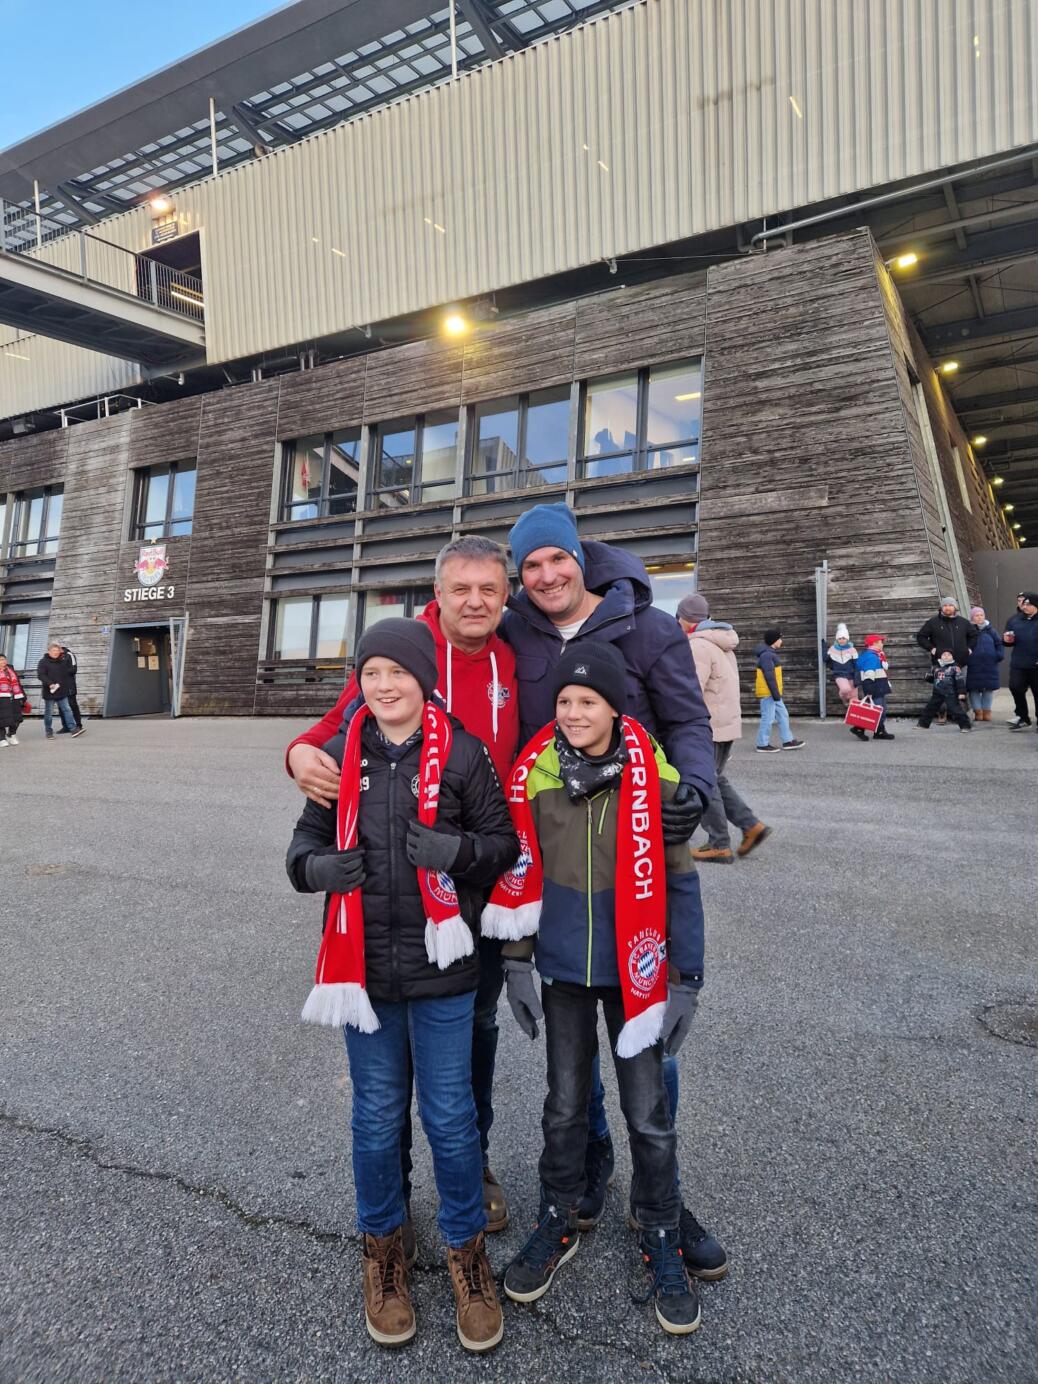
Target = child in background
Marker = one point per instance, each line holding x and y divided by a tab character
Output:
873	682
949	693
768	688
842	661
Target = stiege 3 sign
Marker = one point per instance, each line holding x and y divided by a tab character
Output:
151	567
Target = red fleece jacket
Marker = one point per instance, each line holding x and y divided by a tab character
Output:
467	685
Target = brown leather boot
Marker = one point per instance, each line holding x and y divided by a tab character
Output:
721	854
480	1323
494	1203
387	1294
752	838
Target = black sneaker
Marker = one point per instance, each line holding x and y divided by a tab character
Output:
671	1291
768	749
529	1275
74	733
703	1253
883	734
857	731
50	735
793	744
598	1169
1018	723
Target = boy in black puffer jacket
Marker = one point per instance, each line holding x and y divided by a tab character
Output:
420	831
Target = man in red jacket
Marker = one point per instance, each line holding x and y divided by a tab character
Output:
477	683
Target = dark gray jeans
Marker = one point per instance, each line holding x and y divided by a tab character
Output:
726	805
571	1029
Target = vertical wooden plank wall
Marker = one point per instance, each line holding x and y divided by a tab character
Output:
805	456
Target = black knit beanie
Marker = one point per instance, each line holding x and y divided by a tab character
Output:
771	635
407	642
598	666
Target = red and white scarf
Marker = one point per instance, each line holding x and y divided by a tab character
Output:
640	908
339	995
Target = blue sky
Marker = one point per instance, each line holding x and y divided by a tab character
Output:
62	55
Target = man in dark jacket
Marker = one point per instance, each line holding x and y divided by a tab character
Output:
54	675
604	593
1021	636
599	592
948	632
72	663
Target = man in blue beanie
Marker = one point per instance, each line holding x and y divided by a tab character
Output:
604	594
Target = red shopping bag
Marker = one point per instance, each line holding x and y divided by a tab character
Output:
865	714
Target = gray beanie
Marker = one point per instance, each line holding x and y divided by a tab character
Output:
407	642
949	600
693	608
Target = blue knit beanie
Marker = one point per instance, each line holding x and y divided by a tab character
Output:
545	526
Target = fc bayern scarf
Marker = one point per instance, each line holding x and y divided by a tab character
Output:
640	908
339	995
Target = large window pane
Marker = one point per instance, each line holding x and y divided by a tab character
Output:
546	442
55	505
343	472
183	501
384	605
439	454
306	478
610	424
14	642
156	494
671	585
292	627
33	525
674	404
331	626
496	446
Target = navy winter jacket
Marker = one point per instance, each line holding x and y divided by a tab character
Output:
663	690
1025	649
982	669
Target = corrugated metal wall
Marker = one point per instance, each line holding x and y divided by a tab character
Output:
658	122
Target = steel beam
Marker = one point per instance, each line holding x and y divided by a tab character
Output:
472	12
939	340
1006	398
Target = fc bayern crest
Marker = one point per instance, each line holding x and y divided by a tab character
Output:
645	962
514	879
151	566
503	694
441	887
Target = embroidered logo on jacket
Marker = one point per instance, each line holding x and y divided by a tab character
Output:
503	694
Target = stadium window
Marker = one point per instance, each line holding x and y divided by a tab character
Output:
404	603
320	475
164	501
415	460
309	628
36	522
519	442
671	582
641	421
14	644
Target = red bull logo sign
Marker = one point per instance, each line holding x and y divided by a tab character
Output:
150	569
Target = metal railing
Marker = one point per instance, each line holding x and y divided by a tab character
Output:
92	260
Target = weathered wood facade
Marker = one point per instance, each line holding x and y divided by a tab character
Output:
811	447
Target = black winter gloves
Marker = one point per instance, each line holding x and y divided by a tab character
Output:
335	872
429	849
681	815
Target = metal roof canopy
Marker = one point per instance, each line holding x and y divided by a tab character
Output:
304	68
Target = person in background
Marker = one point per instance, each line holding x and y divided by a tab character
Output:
1022	635
948	632
12	704
949	694
841	660
982	677
72	664
873	682
54	675
713	645
768	688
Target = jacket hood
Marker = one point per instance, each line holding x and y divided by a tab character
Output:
716	633
763	648
605	565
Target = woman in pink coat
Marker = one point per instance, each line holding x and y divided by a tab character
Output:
713	648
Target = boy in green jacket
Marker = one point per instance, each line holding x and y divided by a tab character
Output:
613	918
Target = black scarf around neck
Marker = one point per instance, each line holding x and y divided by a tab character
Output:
585	775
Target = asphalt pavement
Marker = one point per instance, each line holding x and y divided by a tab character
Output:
857	1120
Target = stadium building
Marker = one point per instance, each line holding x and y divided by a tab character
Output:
750	283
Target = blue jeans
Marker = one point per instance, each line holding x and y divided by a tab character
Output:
982	701
67	719
437	1033
770	712
597	1124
